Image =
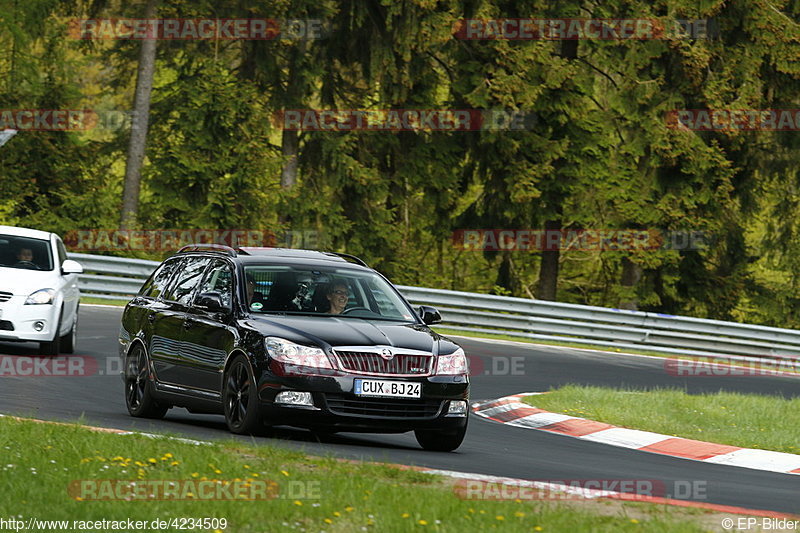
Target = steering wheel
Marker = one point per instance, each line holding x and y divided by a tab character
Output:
27	264
351	309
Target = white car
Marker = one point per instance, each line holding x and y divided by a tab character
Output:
39	293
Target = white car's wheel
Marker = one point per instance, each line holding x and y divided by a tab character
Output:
70	340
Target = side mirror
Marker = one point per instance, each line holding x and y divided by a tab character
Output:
429	314
71	267
210	301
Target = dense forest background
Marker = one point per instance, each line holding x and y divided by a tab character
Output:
601	154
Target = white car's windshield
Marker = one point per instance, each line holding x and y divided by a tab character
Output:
25	253
329	291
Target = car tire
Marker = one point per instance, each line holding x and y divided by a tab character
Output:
53	347
138	389
70	340
240	399
436	440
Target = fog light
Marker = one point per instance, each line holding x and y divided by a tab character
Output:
38	325
457	408
294	398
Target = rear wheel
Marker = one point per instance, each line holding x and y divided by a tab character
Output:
240	400
70	340
437	440
138	389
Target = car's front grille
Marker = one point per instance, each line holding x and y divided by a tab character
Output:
5	296
401	364
5	325
382	407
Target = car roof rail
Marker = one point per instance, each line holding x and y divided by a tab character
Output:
352	258
215	248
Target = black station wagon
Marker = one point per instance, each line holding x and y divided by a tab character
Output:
270	336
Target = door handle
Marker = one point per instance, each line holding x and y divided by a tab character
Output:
151	317
187	324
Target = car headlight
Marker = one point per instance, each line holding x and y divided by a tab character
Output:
296	354
454	364
41	297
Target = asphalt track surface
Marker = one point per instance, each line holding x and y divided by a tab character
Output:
490	448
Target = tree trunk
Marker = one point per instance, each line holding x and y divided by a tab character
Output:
141	116
631	274
548	272
290	143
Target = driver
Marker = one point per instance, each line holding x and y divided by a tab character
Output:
337	297
25	255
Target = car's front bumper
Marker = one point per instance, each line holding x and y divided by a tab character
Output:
17	320
337	408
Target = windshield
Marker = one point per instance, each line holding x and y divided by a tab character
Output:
327	292
25	253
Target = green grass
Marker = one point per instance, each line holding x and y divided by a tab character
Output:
480	335
103	301
746	420
40	461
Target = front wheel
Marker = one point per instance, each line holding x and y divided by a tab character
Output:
70	340
438	440
53	347
138	393
240	400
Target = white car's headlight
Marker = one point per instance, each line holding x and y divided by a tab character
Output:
454	364
41	297
296	354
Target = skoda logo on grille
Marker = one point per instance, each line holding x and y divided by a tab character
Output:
387	354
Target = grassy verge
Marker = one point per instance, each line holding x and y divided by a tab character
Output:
746	420
713	363
474	334
40	462
103	301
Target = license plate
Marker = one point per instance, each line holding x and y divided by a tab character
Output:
387	389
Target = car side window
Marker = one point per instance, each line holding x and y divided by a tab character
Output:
62	252
187	280
154	287
219	279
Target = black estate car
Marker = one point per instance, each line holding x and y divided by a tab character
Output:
270	336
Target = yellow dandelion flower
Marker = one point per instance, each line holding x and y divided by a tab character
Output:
634	521
285	473
422	522
174	463
405	515
217	471
298	502
337	514
328	521
152	461
349	509
168	455
538	528
519	514
500	517
195	474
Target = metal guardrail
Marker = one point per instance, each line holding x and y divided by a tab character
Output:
119	278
